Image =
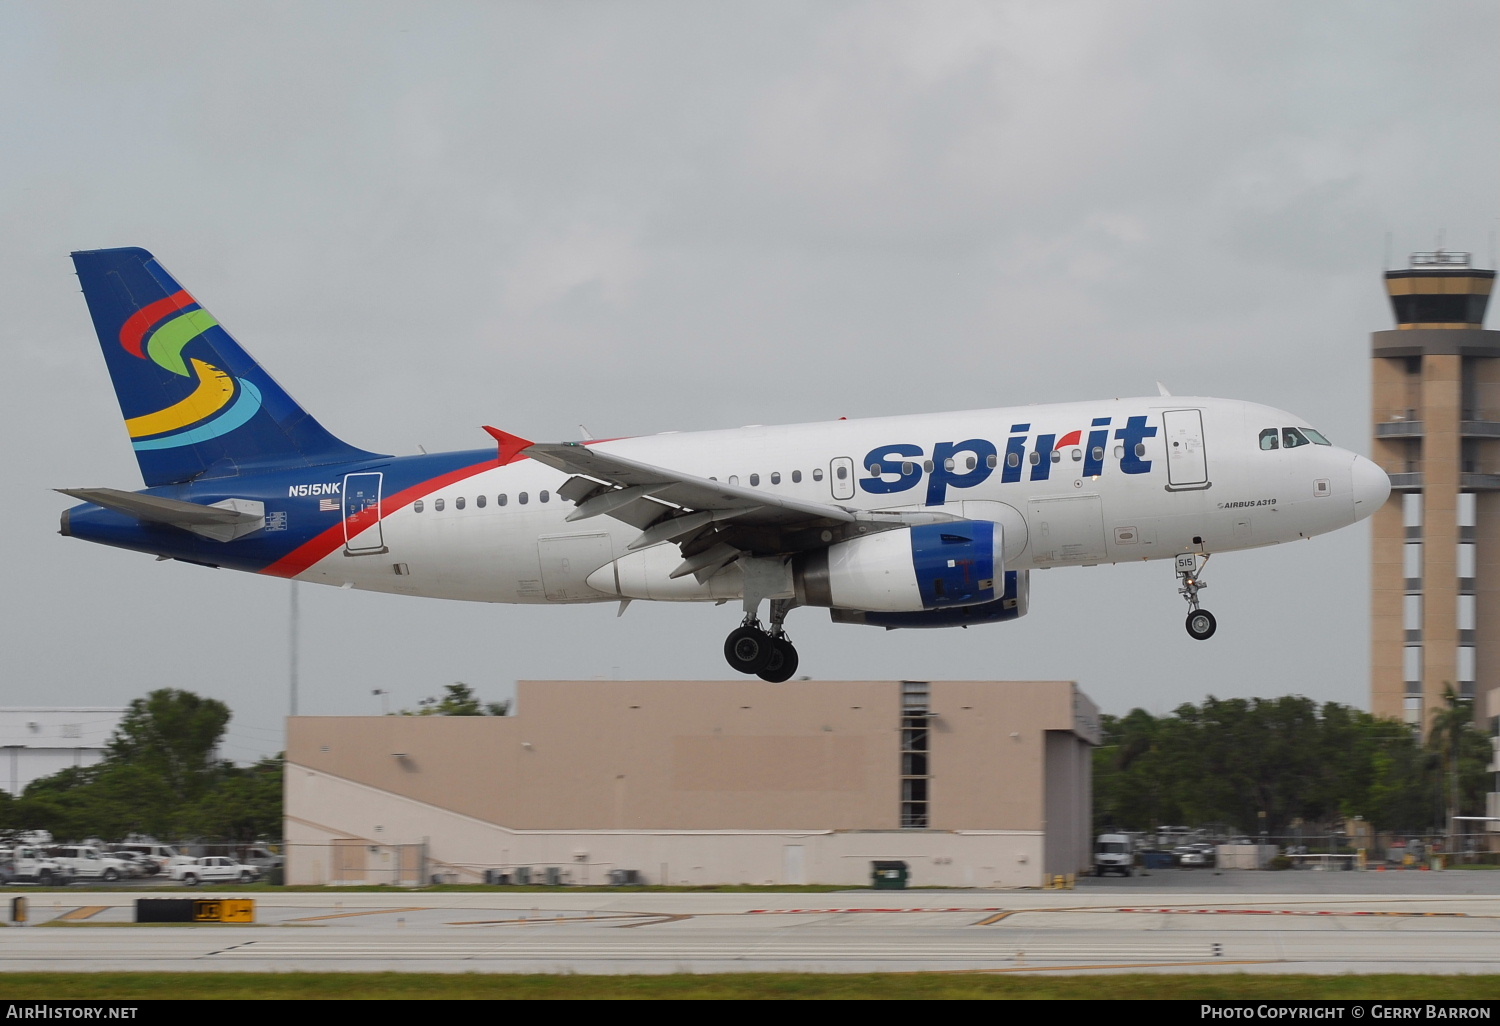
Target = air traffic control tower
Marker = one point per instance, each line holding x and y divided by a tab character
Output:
1435	574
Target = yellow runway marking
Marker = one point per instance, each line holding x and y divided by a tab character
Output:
371	912
85	912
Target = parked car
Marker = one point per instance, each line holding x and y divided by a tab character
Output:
214	868
263	858
30	864
162	855
1188	856
88	863
134	866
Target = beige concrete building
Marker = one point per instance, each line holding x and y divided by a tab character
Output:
972	783
1435	574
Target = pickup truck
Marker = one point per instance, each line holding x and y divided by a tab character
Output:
213	868
28	864
86	862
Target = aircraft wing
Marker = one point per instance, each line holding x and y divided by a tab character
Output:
684	490
713	522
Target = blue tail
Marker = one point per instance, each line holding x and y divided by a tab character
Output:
195	404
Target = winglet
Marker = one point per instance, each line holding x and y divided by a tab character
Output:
511	446
1161	389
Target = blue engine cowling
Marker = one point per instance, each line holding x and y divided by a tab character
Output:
928	567
1011	605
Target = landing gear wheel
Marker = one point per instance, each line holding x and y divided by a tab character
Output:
749	649
783	662
1201	625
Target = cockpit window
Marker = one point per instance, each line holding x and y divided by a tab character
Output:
1317	439
1268	438
1291	438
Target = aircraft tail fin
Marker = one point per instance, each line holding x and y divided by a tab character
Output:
195	403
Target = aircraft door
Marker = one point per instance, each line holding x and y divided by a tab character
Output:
363	533
841	477
1187	463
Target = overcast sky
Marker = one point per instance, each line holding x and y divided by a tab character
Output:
637	217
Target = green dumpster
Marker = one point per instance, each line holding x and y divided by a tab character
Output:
889	876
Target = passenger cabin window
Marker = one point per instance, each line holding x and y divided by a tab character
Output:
1291	438
544	495
842	472
521	498
437	504
479	500
796	477
416	507
776	477
458	503
818	474
991	460
1012	459
500	499
754	480
908	468
1268	439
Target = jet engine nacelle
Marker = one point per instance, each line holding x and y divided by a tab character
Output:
1012	605
928	567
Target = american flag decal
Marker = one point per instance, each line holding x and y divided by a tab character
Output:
328	505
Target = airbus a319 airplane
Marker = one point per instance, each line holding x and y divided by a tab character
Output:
932	520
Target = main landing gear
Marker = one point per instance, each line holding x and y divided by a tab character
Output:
1200	622
768	654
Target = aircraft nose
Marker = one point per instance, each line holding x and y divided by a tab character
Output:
1371	487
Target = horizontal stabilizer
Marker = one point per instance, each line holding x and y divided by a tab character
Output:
223	521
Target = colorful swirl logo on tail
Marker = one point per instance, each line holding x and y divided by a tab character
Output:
220	402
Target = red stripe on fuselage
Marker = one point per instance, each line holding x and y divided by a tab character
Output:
135	327
308	553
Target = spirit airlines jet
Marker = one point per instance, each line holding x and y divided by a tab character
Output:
933	520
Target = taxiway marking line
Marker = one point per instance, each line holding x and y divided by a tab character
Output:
370	912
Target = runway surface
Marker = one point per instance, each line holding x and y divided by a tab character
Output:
1092	931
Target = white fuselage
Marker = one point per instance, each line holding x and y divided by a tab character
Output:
1196	479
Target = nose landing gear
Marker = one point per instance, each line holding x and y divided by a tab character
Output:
768	654
1200	622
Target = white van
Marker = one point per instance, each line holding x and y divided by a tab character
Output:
1113	854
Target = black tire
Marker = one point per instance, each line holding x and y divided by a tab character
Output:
1201	625
1099	872
190	879
110	876
45	878
245	877
749	649
783	662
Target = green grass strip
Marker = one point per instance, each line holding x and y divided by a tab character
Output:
735	986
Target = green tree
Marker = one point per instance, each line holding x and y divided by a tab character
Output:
173	735
244	805
458	700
